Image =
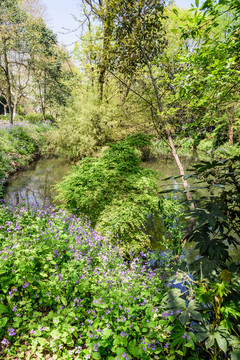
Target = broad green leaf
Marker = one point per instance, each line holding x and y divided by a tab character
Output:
210	341
3	322
3	309
55	334
64	301
42	341
221	341
96	355
184	317
133	348
195	315
120	351
107	333
235	354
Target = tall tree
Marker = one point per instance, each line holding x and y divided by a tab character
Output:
12	22
46	61
105	11
140	40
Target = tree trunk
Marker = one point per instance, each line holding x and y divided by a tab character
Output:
9	95
5	109
168	133
14	109
230	133
172	146
101	81
44	95
107	32
41	100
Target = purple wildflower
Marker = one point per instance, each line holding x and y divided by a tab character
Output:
11	332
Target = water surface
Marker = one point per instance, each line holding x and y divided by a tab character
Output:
35	186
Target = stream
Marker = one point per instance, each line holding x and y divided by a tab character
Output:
36	185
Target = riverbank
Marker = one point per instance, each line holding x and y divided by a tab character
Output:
206	148
20	144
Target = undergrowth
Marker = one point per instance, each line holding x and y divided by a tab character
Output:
66	292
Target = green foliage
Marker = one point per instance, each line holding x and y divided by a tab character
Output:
206	309
206	315
188	144
19	145
137	25
114	192
227	151
142	142
35	118
161	147
67	292
208	81
4	117
217	216
206	145
173	219
84	127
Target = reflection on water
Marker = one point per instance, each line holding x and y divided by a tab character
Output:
167	167
35	186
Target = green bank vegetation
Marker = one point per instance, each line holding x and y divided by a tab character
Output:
20	144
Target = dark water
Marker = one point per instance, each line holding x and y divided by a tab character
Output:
166	167
35	186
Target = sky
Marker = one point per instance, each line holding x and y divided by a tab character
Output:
60	18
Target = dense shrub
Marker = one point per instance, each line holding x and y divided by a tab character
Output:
86	124
209	301
115	192
227	151
141	142
5	118
35	118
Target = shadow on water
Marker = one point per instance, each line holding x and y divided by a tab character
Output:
35	186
